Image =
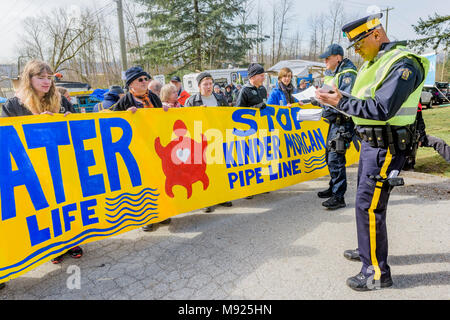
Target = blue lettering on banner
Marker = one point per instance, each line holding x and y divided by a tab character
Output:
85	130
237	117
70	213
121	147
50	136
11	146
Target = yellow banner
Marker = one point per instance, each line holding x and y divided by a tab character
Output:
71	180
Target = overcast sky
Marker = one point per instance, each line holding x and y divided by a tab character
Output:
405	13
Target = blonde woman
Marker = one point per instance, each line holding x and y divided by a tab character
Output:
169	97
36	95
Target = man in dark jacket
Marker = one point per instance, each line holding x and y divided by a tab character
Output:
110	98
253	94
206	97
139	96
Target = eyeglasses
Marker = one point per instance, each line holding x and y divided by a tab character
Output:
142	79
359	43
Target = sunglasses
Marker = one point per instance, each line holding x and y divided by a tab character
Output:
142	79
359	43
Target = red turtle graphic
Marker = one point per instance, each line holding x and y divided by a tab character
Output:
183	160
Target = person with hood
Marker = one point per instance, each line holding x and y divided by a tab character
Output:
341	72
282	94
110	98
229	94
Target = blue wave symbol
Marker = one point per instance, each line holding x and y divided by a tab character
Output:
87	234
316	168
142	214
133	195
314	164
126	197
314	159
126	206
128	214
132	203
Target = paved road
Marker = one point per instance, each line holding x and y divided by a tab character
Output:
280	245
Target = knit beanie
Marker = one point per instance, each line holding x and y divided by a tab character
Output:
202	76
133	73
254	69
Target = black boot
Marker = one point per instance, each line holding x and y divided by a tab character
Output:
325	194
334	203
2	286
149	227
352	255
226	204
167	221
362	283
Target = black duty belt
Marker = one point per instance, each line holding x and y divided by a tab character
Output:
392	137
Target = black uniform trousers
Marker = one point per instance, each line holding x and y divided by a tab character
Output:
371	203
336	161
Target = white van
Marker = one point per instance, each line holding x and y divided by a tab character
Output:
221	77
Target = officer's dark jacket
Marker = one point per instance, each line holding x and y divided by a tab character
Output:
196	100
345	83
128	101
394	91
14	108
250	96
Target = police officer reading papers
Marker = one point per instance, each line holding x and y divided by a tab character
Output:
386	95
342	73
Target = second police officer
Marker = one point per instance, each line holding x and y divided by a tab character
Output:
341	72
386	95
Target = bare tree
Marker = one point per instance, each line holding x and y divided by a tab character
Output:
57	40
286	6
335	12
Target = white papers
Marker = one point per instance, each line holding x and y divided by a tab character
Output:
309	115
306	94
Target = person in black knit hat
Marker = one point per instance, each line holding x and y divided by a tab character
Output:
253	94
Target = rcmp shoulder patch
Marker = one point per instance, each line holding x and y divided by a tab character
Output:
405	73
347	80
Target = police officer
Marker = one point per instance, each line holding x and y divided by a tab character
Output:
253	94
386	94
342	73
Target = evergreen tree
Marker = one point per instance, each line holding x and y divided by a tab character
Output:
195	34
436	31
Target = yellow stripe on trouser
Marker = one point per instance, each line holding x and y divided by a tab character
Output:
372	220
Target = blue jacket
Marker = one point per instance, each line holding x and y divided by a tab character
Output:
110	99
277	95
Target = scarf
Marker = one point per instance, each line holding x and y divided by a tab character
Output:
144	98
288	91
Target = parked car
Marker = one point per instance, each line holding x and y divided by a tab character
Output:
426	98
441	93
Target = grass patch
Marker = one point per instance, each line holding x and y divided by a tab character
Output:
437	124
